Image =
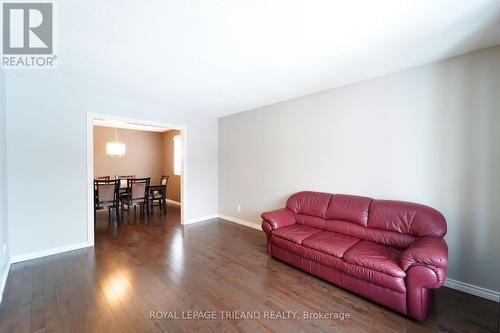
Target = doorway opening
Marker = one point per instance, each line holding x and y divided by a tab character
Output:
126	157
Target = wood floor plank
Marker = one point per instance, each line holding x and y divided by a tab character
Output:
163	267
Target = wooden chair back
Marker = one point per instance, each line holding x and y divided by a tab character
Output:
138	188
106	191
123	179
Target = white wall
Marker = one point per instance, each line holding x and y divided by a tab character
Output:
3	182
46	131
429	134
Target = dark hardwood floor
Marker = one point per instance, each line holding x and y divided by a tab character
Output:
209	266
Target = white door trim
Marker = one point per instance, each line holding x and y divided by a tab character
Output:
90	165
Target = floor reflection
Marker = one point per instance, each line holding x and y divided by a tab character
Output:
115	287
176	253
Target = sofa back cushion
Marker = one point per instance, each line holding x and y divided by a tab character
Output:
350	208
309	203
392	223
406	218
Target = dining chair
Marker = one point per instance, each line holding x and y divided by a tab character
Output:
123	179
100	178
160	196
137	195
106	197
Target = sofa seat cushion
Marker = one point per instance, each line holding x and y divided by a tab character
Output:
332	243
377	257
295	233
359	272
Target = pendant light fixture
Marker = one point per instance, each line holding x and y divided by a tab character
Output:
115	148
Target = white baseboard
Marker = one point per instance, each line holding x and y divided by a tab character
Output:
201	219
472	289
173	202
240	221
48	252
3	282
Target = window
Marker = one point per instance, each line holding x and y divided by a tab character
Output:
177	155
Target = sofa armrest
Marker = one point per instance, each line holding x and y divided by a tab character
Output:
279	218
419	280
428	251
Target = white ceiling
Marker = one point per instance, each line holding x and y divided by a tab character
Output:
225	56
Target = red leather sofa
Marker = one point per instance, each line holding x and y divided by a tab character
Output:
390	252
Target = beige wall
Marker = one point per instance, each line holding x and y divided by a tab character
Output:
174	182
429	134
143	158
